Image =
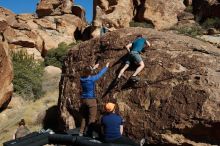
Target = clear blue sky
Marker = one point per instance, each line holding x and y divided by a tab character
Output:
29	6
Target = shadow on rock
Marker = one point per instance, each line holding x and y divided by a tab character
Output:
51	120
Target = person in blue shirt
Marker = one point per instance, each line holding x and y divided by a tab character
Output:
104	29
134	49
88	108
112	127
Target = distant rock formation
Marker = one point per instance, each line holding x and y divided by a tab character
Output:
206	8
161	14
37	34
178	95
54	7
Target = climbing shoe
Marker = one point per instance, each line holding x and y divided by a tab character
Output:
134	79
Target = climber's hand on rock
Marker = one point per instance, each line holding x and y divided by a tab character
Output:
96	66
107	64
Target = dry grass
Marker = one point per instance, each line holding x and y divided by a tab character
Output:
28	110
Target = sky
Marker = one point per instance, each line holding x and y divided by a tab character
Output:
29	6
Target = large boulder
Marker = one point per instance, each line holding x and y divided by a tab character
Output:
117	14
37	35
3	24
162	14
206	8
178	92
6	86
54	7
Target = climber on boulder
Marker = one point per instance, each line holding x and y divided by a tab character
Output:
134	49
88	108
104	29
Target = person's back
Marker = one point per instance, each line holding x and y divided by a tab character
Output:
88	107
138	44
88	83
21	132
112	127
111	123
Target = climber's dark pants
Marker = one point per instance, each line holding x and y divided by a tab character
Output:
88	111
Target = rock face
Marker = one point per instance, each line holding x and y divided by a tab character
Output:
162	14
206	8
181	95
119	13
6	86
54	7
39	34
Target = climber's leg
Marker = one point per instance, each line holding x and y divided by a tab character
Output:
123	70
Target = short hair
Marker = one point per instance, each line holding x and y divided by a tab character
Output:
87	70
139	35
22	122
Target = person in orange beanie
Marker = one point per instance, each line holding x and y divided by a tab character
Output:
112	125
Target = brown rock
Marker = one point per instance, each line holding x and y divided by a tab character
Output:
181	93
20	26
45	8
5	12
79	11
162	14
185	16
23	41
118	13
9	34
25	17
8	15
212	31
45	23
206	9
187	2
6	86
54	7
3	24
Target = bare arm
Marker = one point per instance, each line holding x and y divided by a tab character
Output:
95	66
128	47
148	44
121	129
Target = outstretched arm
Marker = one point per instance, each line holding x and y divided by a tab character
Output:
101	73
129	46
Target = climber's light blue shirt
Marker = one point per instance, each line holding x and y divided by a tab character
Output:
138	44
88	84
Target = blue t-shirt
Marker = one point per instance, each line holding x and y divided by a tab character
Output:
138	44
111	124
103	30
88	84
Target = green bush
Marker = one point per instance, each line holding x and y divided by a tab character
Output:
27	75
141	24
190	31
211	22
189	9
56	56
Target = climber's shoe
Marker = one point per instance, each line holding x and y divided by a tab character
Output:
134	79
